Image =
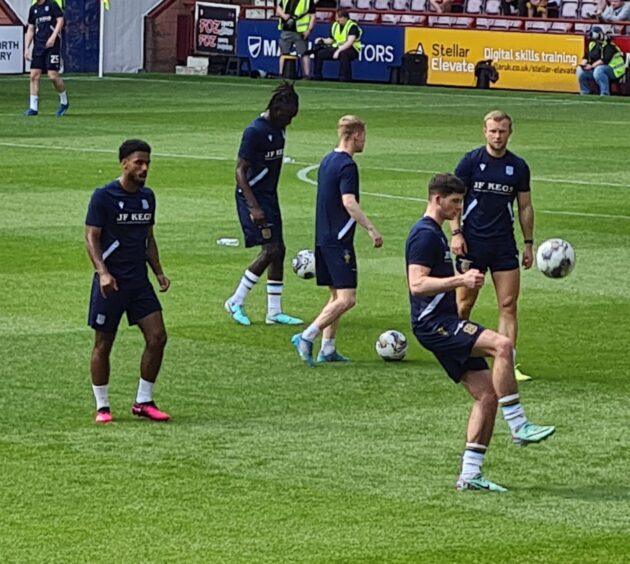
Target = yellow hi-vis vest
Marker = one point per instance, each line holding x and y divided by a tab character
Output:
617	63
340	35
302	17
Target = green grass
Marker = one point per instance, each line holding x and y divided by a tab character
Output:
264	460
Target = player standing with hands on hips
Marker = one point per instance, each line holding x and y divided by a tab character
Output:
45	22
120	242
483	234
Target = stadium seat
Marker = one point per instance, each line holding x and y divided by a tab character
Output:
498	24
401	5
537	26
450	22
412	19
364	17
418	5
587	9
390	19
347	4
474	7
561	27
363	4
382	5
492	7
569	9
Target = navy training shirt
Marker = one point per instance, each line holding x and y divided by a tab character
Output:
338	174
493	184
44	19
427	246
262	145
125	219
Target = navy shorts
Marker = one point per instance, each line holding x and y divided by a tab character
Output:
336	266
493	255
105	313
48	60
451	340
254	234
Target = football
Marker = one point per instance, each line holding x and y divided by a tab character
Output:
303	264
555	258
391	345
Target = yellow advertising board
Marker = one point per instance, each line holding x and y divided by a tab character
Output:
525	61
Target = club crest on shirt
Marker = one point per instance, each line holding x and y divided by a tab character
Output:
482	166
441	331
509	170
145	205
347	257
270	137
121	204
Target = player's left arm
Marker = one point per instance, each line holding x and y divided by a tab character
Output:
153	258
56	33
526	219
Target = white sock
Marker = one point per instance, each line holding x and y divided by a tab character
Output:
101	396
34	103
310	333
328	346
248	281
513	412
145	391
274	297
472	461
63	97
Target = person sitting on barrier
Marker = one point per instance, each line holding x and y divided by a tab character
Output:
617	11
344	45
604	63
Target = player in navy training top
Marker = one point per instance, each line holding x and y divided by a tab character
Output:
120	242
460	345
483	237
337	214
257	174
45	22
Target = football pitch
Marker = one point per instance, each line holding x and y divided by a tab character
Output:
266	460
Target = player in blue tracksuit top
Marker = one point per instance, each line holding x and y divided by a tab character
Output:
483	236
45	22
120	242
337	214
460	345
257	174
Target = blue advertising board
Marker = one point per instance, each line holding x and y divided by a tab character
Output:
382	48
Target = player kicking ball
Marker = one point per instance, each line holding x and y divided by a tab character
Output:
257	174
458	344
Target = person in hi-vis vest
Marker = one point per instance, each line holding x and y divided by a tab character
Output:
344	45
604	63
296	22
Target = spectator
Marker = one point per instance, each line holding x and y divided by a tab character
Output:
519	6
604	62
441	6
618	11
537	8
344	45
296	22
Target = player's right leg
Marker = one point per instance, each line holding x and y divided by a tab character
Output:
490	343
34	77
99	368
